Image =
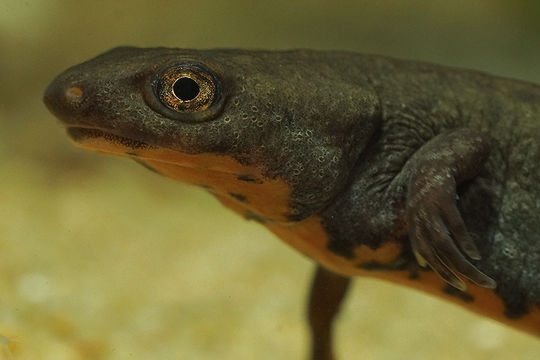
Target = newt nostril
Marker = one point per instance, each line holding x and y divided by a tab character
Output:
63	98
74	94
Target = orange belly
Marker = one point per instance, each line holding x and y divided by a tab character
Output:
220	174
309	237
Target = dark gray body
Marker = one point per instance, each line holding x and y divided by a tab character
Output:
339	129
500	206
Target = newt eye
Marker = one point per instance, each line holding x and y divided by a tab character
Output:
186	92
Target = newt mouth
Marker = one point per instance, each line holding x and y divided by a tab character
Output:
100	141
205	168
96	139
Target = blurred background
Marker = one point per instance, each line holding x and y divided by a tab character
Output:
102	259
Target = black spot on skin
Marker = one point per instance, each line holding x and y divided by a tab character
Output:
296	216
515	312
398	265
452	291
413	273
204	186
250	215
140	162
340	248
248	178
239	197
377	266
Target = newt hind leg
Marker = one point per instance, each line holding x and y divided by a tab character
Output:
326	296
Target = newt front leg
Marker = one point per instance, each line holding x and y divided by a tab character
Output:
437	233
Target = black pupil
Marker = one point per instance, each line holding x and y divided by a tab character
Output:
186	89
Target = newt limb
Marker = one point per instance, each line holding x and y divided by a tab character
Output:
436	226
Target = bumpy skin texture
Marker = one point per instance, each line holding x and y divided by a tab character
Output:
378	148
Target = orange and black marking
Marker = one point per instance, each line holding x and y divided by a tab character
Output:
216	173
356	161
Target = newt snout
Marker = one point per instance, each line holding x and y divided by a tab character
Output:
64	99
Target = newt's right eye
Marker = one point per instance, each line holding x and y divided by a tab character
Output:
186	91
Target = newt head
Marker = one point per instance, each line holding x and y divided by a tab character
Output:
270	136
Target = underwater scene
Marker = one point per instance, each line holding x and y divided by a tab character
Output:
102	259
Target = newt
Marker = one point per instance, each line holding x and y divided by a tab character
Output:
415	173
